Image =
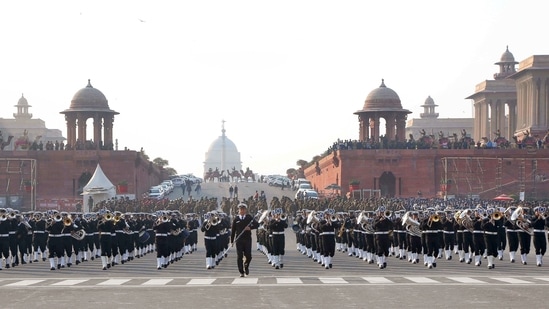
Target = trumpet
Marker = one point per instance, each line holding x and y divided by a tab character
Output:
117	218
433	218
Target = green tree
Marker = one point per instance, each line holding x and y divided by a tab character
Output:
161	162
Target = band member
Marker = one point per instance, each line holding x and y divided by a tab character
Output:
4	238
105	227
241	228
277	226
162	229
430	227
538	225
512	231
478	235
415	242
449	236
55	241
525	239
382	227
210	229
328	228
490	237
39	236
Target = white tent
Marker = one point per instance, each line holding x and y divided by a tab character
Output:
99	188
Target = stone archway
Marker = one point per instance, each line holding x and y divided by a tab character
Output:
387	184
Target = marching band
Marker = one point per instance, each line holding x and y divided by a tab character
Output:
67	239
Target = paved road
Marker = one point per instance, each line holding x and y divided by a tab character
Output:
302	283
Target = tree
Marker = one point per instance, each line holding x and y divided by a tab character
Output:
160	162
170	171
291	172
301	163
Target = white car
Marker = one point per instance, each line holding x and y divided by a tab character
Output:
156	192
306	194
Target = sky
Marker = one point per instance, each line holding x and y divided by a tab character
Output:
285	76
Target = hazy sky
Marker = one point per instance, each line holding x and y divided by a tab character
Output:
286	76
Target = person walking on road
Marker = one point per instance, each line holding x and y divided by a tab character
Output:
241	233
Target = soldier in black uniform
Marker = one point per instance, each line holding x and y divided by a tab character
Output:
4	238
478	235
538	223
277	226
490	237
162	229
210	229
430	227
328	228
382	227
241	228
105	227
55	241
39	236
512	231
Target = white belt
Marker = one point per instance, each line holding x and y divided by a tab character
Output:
539	231
12	233
56	235
430	231
39	232
325	233
4	235
491	233
460	231
381	233
119	231
161	234
448	232
278	233
210	237
66	234
478	232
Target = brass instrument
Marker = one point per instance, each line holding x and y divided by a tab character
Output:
67	221
283	217
296	228
108	217
520	221
3	217
466	221
496	216
341	230
333	218
412	226
117	218
388	214
57	218
78	235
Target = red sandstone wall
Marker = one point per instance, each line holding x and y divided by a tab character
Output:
57	172
484	172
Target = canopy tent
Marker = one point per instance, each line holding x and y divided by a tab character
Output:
503	197
99	188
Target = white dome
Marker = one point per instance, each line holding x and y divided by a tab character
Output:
222	155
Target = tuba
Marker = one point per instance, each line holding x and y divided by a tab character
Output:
78	235
412	226
465	220
521	222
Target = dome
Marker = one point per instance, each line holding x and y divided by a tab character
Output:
22	101
429	102
89	98
382	98
507	57
222	155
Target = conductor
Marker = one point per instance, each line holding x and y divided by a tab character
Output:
241	233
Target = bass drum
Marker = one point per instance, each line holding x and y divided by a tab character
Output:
144	236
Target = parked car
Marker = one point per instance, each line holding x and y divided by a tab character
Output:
156	192
306	194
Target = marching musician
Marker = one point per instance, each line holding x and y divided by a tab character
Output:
430	227
525	240
21	233
55	240
39	236
328	228
449	235
5	226
277	226
490	237
241	228
538	224
512	230
162	229
105	227
382	227
415	241
478	235
210	229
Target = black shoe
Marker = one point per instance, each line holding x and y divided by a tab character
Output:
104	268
434	264
23	262
247	270
281	265
92	258
43	259
108	265
241	275
53	268
69	264
58	266
7	266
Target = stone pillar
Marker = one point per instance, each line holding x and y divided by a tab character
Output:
401	127
108	131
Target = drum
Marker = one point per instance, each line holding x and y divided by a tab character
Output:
143	237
